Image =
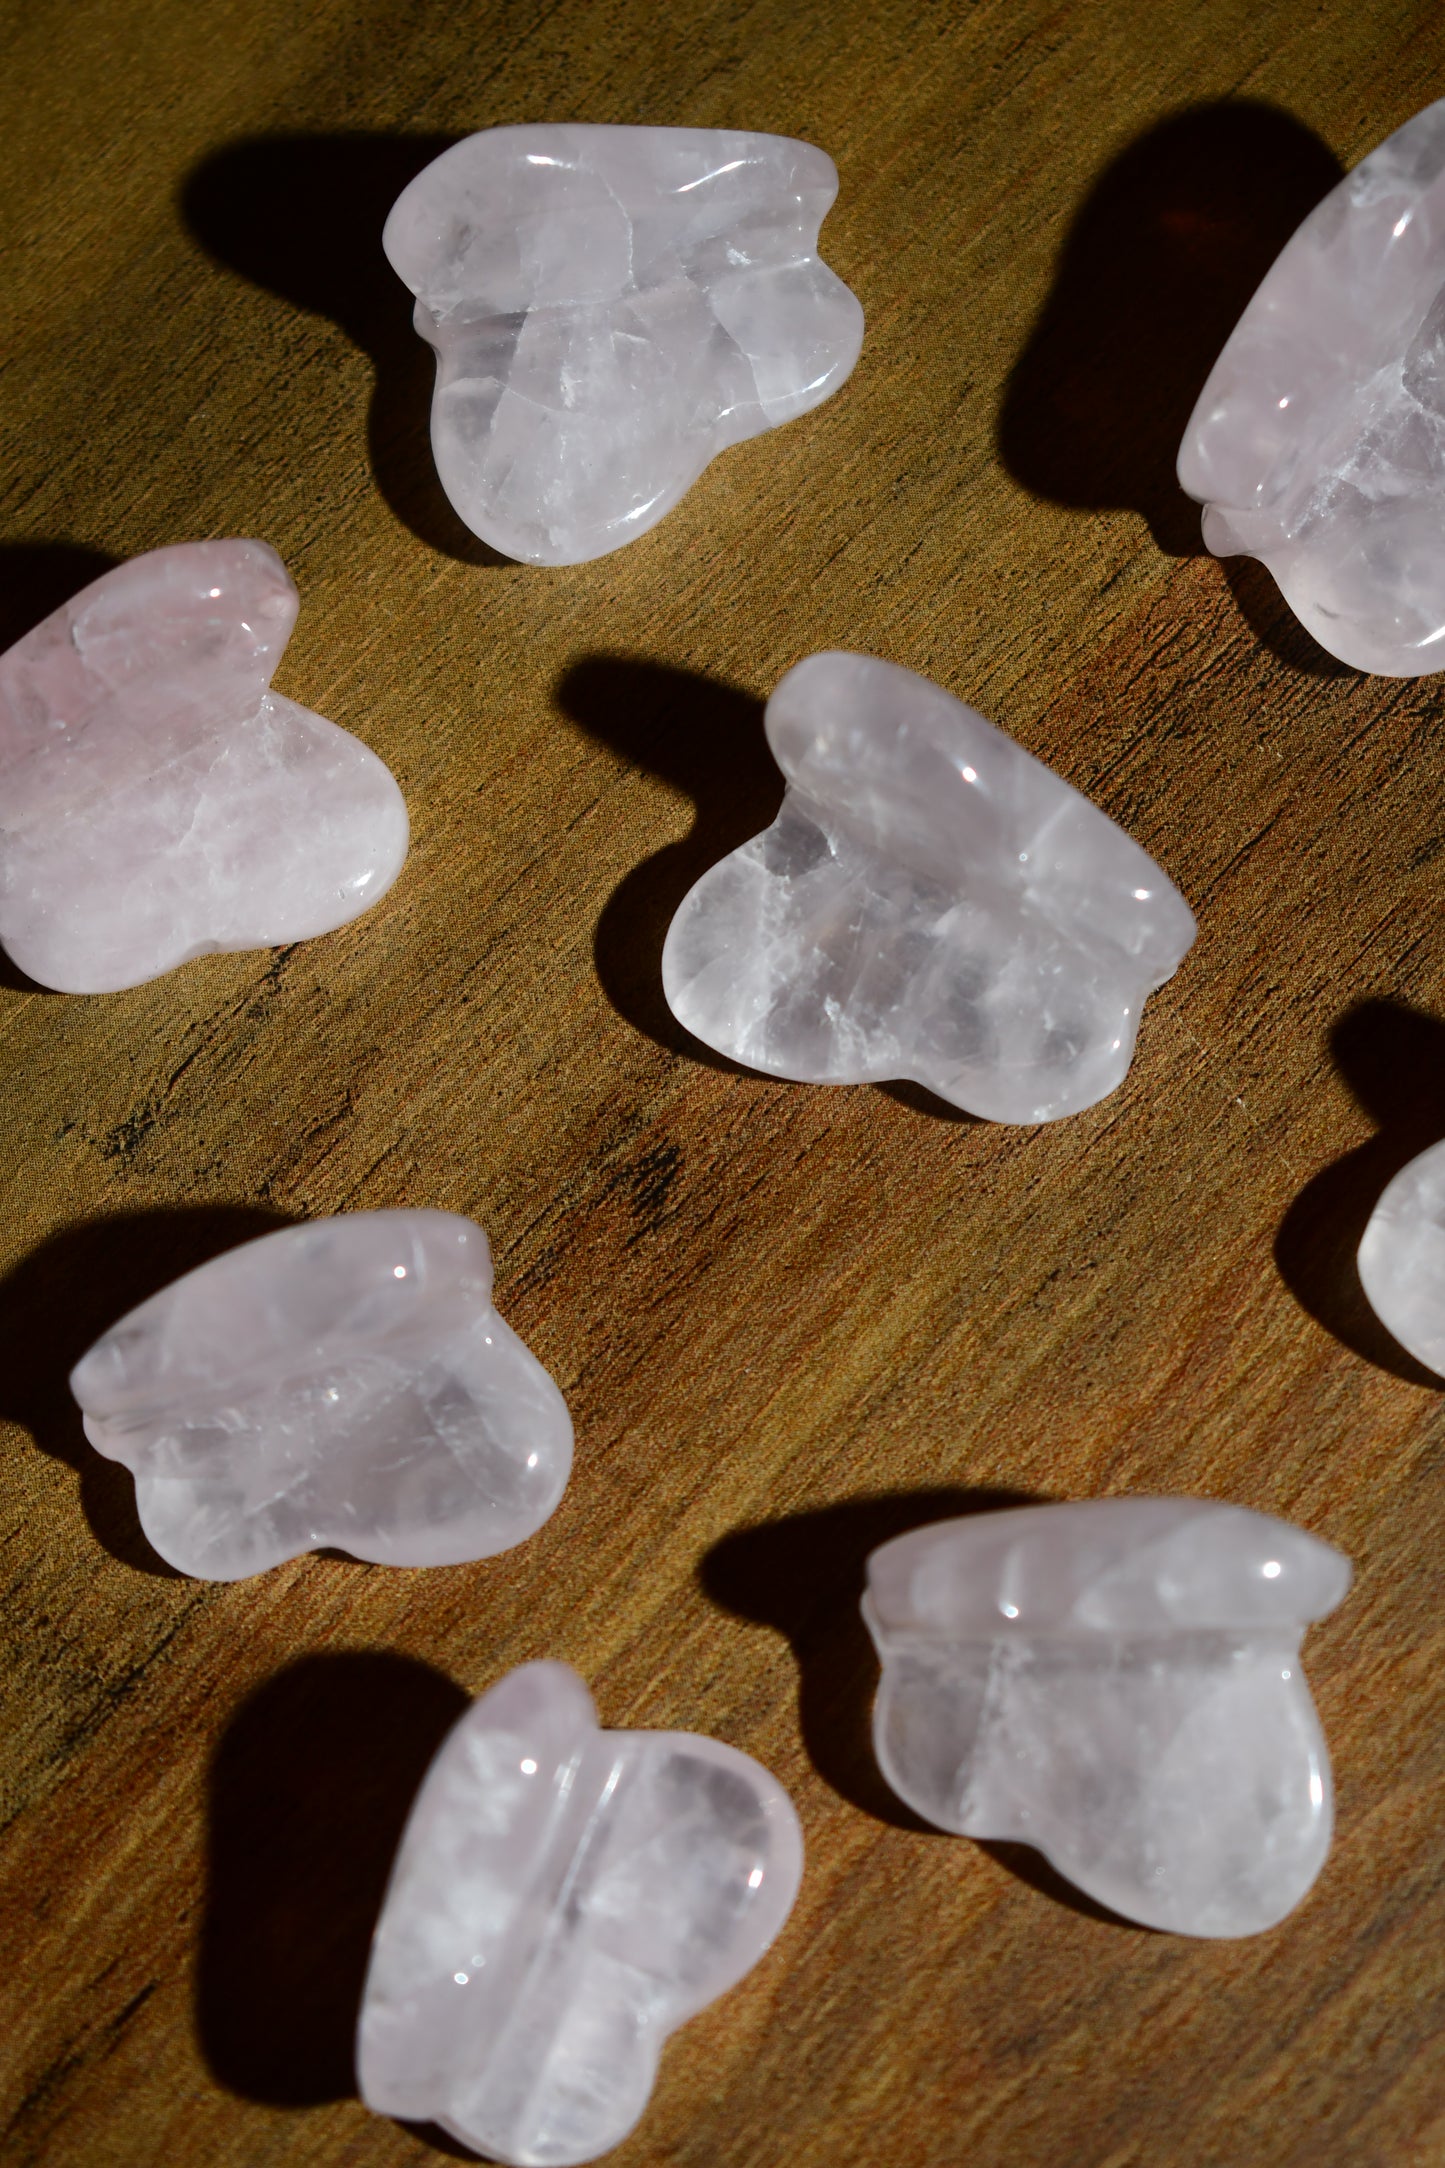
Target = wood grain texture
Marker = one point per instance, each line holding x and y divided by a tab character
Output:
789	1322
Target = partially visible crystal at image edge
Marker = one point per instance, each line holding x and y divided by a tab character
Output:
346	1382
1118	1684
1318	442
931	904
563	1899
1402	1258
160	801
611	307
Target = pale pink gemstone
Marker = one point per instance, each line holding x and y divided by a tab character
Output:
160	801
1118	1683
345	1382
1318	442
564	1898
611	308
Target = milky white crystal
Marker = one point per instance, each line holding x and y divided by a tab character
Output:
1402	1258
346	1382
564	1898
157	801
611	308
1318	443
931	903
1117	1683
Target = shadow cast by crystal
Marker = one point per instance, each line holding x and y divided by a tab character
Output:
1393	1059
309	1793
1274	624
442	2141
38	578
57	1301
301	215
705	739
1159	262
920	1100
1030	1867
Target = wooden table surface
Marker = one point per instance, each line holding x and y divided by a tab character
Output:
789	1322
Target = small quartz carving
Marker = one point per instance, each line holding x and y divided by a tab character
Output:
611	308
931	903
1318	443
346	1382
1402	1258
1117	1683
159	801
564	1898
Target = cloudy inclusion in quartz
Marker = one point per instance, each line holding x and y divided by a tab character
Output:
931	903
563	1899
160	802
1318	442
610	308
1117	1683
347	1382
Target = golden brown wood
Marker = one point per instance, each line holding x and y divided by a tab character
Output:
789	1322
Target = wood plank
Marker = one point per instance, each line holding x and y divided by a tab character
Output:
789	1322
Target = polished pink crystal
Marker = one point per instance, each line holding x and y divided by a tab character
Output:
160	801
564	1898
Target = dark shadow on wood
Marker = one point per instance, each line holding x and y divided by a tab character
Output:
1393	1059
37	578
922	1101
57	1301
705	739
1027	1865
309	1793
1274	624
301	215
1168	247
442	2141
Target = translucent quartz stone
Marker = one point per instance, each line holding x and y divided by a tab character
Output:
159	801
1117	1683
611	308
1318	443
931	903
1402	1258
563	1899
346	1382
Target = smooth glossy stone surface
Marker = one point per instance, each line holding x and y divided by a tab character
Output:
159	801
1402	1258
611	308
931	903
1117	1683
564	1898
1318	443
346	1382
